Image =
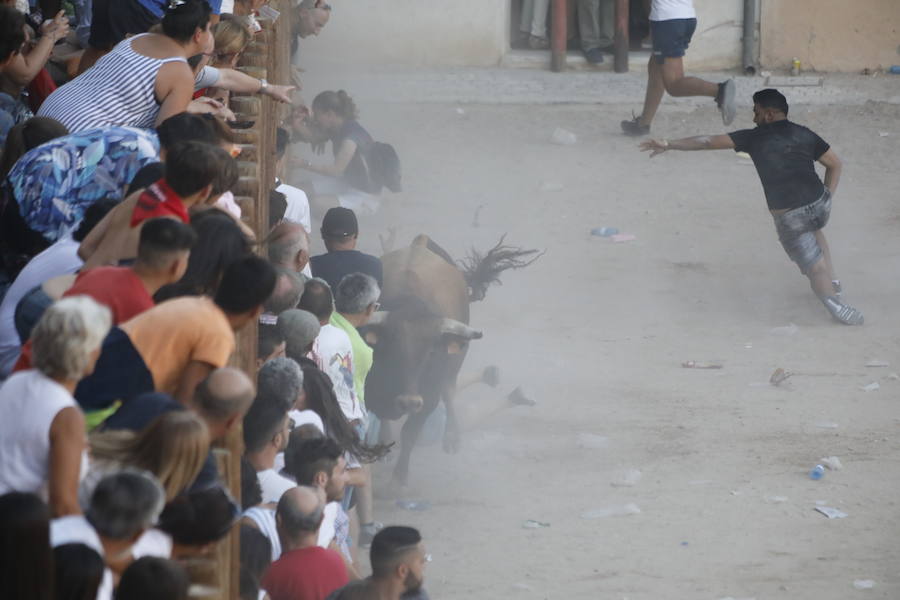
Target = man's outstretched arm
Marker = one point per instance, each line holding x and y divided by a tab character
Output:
700	142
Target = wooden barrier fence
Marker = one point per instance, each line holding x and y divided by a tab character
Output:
267	57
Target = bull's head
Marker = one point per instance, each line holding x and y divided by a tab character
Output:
413	356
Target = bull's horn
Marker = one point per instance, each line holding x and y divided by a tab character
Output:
378	317
454	327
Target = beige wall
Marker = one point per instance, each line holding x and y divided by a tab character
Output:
717	41
416	32
476	33
830	35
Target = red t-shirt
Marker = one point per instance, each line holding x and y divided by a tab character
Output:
117	288
305	574
159	200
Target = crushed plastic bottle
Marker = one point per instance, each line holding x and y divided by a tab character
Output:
817	473
604	231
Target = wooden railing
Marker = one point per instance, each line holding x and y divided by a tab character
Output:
267	57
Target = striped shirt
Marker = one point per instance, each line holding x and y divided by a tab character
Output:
117	91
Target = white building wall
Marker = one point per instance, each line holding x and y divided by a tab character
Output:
476	33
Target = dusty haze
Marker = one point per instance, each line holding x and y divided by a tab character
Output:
596	332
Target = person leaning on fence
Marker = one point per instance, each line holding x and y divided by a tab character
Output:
176	344
143	81
42	449
190	175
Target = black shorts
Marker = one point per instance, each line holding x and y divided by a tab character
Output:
114	20
671	38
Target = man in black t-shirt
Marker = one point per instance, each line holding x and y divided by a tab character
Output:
784	154
340	231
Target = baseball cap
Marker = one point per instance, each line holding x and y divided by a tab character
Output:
339	222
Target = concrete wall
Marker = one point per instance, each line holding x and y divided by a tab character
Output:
717	41
831	35
417	32
476	33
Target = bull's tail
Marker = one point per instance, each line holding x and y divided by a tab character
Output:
482	270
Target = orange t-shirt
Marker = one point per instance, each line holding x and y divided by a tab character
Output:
178	331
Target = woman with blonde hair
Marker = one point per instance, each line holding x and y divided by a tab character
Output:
231	39
173	447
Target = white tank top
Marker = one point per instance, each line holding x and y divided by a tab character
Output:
29	401
120	90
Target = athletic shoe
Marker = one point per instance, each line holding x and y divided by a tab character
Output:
634	127
843	313
725	100
594	56
538	43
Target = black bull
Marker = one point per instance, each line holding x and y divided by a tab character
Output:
421	336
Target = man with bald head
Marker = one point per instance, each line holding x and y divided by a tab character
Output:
289	247
305	571
288	289
221	400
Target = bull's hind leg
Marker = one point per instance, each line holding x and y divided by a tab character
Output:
409	435
451	431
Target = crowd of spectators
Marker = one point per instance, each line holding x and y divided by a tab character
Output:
127	272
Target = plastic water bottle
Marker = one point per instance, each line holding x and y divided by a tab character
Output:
604	231
817	473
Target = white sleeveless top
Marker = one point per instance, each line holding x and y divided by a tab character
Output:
117	91
29	401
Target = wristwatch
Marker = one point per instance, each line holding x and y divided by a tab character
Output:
263	86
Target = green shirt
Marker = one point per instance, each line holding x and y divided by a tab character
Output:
362	355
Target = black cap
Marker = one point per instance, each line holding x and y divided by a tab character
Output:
339	222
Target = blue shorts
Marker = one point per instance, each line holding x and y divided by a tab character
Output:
671	38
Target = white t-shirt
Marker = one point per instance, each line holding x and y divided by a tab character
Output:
306	417
29	401
297	211
663	10
76	530
265	522
154	542
61	258
273	485
333	354
326	529
299	417
297	206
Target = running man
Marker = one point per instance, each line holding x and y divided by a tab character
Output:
672	25
783	153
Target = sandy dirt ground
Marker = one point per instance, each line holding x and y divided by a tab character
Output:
596	332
